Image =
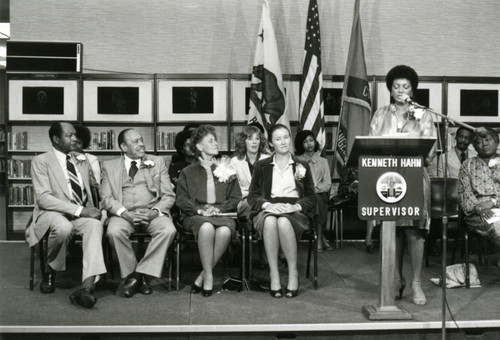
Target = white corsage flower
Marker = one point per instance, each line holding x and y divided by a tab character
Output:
300	172
148	163
418	113
494	163
224	170
81	158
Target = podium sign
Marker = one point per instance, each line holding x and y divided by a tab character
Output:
390	188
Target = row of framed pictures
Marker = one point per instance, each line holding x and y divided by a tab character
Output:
180	100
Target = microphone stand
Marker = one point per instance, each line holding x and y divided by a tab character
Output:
445	216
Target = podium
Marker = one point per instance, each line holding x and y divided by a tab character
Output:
390	174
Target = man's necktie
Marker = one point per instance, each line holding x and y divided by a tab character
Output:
77	191
463	157
133	169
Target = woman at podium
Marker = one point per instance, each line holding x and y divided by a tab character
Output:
399	118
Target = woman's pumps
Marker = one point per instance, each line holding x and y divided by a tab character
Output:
291	293
206	292
195	289
418	294
276	293
370	248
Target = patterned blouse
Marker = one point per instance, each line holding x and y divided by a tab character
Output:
477	183
385	122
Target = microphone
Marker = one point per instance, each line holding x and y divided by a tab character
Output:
408	100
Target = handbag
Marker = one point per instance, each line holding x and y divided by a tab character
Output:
455	276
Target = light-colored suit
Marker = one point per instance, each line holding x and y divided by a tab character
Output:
119	229
55	211
453	164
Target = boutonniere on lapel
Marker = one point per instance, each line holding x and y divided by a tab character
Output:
223	169
300	172
415	113
147	164
81	158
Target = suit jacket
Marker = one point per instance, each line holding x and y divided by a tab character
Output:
243	173
453	164
52	192
157	180
192	191
262	182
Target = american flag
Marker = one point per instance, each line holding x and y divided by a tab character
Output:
311	92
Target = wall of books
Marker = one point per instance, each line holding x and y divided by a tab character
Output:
158	106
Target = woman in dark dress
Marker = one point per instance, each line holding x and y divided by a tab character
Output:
282	190
206	189
182	158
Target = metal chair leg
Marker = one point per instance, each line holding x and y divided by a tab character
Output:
467	270
32	267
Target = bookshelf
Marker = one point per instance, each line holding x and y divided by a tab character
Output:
152	111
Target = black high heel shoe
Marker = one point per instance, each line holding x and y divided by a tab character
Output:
276	293
291	293
402	288
206	292
370	248
195	289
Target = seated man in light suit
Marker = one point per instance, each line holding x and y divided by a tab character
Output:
458	154
137	193
63	206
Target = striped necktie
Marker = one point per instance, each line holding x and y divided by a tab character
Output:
79	196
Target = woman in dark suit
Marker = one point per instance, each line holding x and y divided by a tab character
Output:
282	190
206	189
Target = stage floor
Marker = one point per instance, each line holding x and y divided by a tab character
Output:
348	279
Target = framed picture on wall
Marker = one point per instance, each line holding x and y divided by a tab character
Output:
474	102
121	100
192	100
428	94
240	94
332	100
43	100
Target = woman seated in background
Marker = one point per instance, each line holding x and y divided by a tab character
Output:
307	150
479	186
250	146
400	118
206	189
182	158
83	138
282	190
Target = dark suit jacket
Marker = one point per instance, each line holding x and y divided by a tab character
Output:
262	182
192	191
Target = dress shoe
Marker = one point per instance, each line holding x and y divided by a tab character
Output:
83	298
145	288
195	289
291	293
278	293
206	292
47	285
131	285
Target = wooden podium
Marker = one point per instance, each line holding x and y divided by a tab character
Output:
390	173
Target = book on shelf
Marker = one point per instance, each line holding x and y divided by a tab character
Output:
103	140
165	140
21	195
3	166
17	140
19	168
